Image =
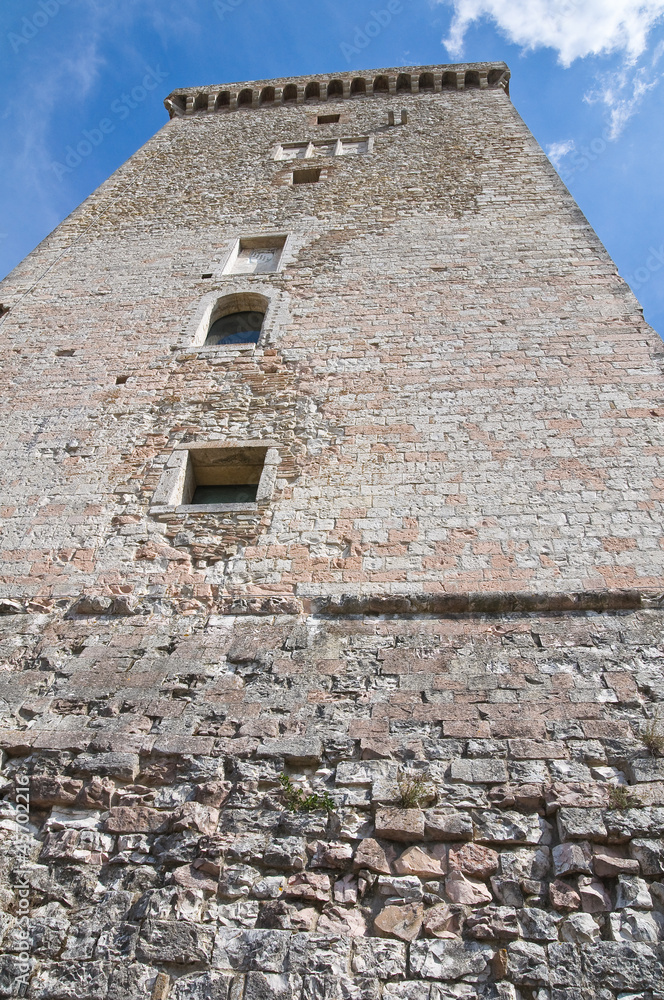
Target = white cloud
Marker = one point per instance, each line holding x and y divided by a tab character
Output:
574	28
621	94
557	151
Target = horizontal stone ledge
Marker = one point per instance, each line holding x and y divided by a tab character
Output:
338	606
488	603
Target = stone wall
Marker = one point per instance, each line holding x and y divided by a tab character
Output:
390	733
463	391
486	814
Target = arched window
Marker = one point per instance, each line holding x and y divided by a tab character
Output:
245	98
426	82
404	82
449	80
223	100
312	91
267	95
381	85
335	88
358	86
236	319
201	102
290	93
495	76
472	81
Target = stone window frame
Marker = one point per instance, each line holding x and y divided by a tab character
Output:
175	478
245	290
282	240
330	147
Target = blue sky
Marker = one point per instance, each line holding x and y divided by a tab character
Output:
586	77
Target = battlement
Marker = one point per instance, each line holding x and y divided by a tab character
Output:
341	86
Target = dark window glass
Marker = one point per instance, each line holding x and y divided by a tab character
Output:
225	494
238	328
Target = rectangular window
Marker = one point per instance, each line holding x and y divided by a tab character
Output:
324	147
223	476
255	255
311	175
208	478
328	119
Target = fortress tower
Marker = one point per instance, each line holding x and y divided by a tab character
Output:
332	467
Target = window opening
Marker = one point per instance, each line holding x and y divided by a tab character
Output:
223	475
236	328
308	176
328	119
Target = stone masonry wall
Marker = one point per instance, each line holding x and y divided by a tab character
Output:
463	392
487	822
393	732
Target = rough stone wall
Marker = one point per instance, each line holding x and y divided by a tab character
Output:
488	820
464	393
392	734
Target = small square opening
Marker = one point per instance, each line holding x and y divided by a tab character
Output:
223	476
328	119
309	175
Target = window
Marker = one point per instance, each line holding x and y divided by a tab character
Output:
311	175
236	328
233	321
255	255
324	147
328	119
222	476
209	477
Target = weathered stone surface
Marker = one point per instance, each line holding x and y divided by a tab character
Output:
176	941
572	858
462	890
124	766
442	921
478	771
474	860
377	957
650	855
136	819
319	953
625	966
308	887
402	922
375	856
581	824
493	923
425	862
293	751
594	897
507	828
580	928
447	824
633	892
251	950
527	963
400	824
337	920
609	862
448	960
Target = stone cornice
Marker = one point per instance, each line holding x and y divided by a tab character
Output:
401	81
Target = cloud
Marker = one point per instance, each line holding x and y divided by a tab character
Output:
574	28
557	151
621	93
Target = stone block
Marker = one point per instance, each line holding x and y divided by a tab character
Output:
124	766
449	961
477	771
447	825
581	824
175	941
254	950
507	827
399	824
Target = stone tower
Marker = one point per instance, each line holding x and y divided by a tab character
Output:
331	566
